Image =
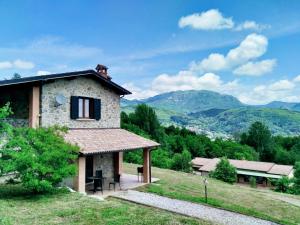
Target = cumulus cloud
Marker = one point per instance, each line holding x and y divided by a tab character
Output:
186	80
21	64
214	20
18	64
282	90
6	65
42	72
209	20
137	92
256	68
282	85
252	47
297	78
251	25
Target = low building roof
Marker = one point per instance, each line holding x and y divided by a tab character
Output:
92	73
208	165
95	141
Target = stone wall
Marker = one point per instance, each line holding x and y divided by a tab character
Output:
105	162
81	86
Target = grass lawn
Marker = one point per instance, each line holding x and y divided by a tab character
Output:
260	203
17	207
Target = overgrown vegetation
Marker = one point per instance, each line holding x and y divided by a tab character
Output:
38	158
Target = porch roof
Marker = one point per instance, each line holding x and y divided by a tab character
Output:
94	141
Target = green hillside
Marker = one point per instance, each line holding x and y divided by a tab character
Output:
219	115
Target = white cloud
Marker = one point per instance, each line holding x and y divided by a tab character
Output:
256	68
297	79
282	85
42	72
214	20
5	65
252	47
209	20
251	25
18	64
138	93
21	64
186	80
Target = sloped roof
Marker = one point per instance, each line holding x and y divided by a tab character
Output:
281	169
94	141
208	165
34	79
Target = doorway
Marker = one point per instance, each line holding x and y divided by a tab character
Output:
89	168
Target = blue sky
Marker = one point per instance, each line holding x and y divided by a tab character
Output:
249	49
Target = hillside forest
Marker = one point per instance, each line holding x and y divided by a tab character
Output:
180	145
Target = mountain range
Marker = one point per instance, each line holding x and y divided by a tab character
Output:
219	115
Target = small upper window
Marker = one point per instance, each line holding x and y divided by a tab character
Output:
85	108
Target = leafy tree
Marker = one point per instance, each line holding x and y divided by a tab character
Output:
297	178
16	76
182	161
145	118
225	171
39	158
260	138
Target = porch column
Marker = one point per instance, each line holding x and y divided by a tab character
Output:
79	180
34	107
146	167
118	162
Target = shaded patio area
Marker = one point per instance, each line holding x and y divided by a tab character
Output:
128	181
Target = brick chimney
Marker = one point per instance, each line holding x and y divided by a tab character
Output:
102	70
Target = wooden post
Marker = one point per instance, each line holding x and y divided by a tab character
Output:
146	167
79	180
34	107
118	162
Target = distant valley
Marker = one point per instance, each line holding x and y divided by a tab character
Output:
219	115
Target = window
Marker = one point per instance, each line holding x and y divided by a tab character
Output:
85	108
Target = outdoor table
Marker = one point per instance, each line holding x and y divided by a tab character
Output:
95	183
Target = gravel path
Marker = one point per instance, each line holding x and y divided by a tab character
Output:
218	216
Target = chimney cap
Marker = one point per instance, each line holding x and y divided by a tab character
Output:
101	67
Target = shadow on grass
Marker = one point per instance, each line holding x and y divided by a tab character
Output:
17	191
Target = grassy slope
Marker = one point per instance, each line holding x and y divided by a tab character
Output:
73	208
249	201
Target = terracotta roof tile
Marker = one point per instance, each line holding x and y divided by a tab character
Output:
92	141
208	165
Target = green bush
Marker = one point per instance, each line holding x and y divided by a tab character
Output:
225	171
283	185
252	182
182	162
39	157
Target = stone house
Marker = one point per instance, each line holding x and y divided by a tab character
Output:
88	103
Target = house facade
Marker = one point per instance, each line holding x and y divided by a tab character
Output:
88	103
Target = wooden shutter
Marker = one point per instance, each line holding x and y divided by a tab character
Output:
74	107
97	109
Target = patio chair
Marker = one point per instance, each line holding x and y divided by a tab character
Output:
140	171
117	179
99	181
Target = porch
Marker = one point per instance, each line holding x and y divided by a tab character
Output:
128	181
101	157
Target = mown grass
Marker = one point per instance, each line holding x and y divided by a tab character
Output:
18	206
249	201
